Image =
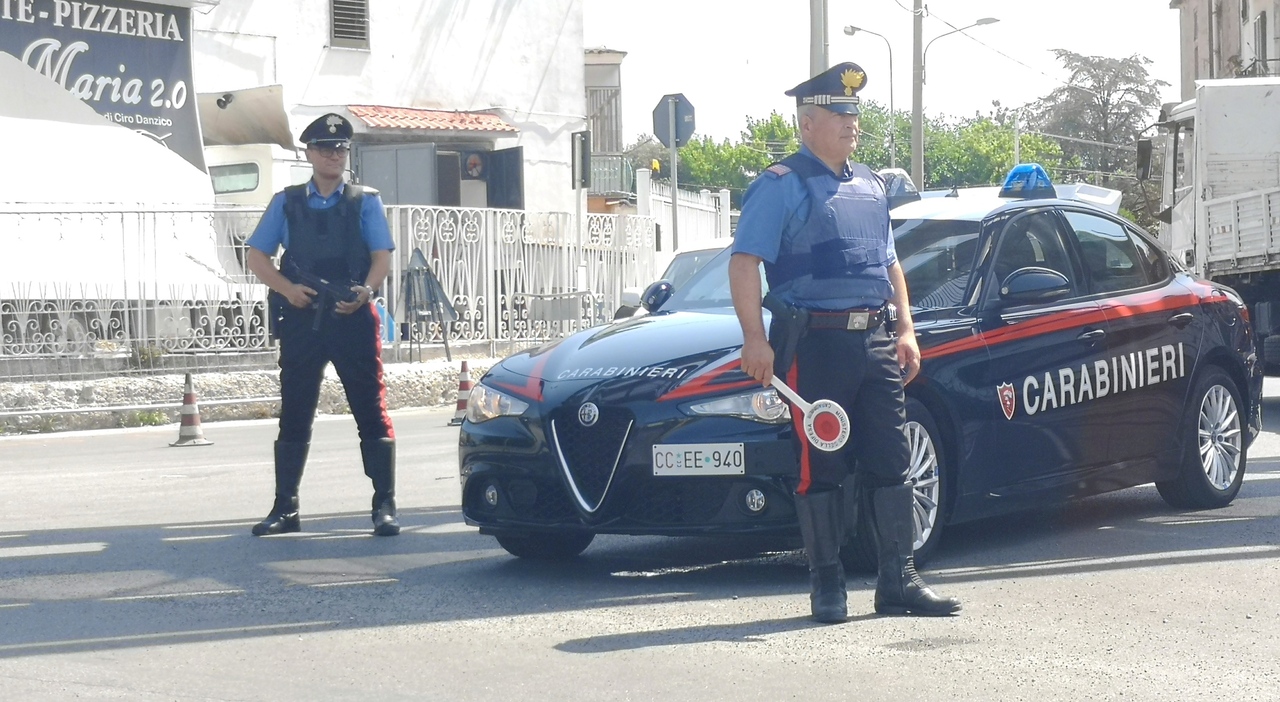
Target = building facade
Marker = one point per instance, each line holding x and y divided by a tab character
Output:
1227	39
454	102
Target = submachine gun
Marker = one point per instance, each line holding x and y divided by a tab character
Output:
327	294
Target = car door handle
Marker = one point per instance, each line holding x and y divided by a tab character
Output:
1092	335
1181	320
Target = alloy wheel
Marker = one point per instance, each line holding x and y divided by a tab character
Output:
926	487
1219	437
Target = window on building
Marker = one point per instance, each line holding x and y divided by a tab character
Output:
350	25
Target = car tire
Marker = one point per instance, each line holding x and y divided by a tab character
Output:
930	479
545	545
1214	451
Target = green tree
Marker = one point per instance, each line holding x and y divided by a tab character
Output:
773	138
707	163
645	152
1106	101
980	151
1098	115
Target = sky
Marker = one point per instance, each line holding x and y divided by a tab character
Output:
735	58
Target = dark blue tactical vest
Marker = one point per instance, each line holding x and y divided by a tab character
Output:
841	251
326	242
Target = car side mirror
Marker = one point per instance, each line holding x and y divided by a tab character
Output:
656	295
631	297
1034	284
1144	159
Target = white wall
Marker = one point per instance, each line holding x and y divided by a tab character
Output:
523	57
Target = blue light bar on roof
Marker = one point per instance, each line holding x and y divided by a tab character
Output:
1028	181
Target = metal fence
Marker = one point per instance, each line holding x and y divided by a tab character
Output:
108	292
515	275
102	293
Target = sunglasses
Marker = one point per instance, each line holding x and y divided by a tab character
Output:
330	151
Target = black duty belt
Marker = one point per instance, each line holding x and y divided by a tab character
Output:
864	319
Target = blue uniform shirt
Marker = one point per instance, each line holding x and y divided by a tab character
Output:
273	229
776	206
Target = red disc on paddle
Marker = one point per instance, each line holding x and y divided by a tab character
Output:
827	426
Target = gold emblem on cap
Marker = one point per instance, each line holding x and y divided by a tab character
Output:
852	80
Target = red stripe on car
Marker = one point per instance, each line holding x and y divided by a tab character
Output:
703	384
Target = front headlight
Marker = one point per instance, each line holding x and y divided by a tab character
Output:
762	405
485	403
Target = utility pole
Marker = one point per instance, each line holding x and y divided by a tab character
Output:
917	95
675	176
817	37
1017	138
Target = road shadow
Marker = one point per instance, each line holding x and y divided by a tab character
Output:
682	636
65	590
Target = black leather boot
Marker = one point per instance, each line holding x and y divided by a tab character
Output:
899	589
380	465
291	457
821	516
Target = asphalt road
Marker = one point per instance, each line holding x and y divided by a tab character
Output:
127	572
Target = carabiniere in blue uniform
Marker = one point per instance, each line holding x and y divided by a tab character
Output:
825	239
329	243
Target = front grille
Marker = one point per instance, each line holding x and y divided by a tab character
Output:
677	502
589	455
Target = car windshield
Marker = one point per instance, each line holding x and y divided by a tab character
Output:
937	257
709	286
685	264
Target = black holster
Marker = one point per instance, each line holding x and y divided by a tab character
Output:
788	325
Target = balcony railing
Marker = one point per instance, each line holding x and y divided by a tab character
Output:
1259	68
611	173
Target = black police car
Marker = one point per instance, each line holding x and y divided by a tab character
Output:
1064	354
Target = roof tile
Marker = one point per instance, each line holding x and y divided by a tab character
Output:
377	116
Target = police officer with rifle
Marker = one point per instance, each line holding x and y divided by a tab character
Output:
337	252
820	224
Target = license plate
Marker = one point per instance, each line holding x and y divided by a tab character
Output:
699	459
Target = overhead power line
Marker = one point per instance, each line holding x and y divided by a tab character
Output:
1059	81
1122	147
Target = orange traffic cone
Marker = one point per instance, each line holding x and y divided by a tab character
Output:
190	434
464	391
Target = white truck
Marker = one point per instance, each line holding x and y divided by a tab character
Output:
1220	195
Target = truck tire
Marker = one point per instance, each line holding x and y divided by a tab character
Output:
1271	355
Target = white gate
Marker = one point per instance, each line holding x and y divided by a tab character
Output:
516	275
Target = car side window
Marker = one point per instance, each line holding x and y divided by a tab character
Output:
1156	264
1032	240
1111	255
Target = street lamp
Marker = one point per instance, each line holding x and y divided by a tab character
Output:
893	143
917	97
923	54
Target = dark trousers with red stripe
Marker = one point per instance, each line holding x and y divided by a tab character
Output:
353	344
859	370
